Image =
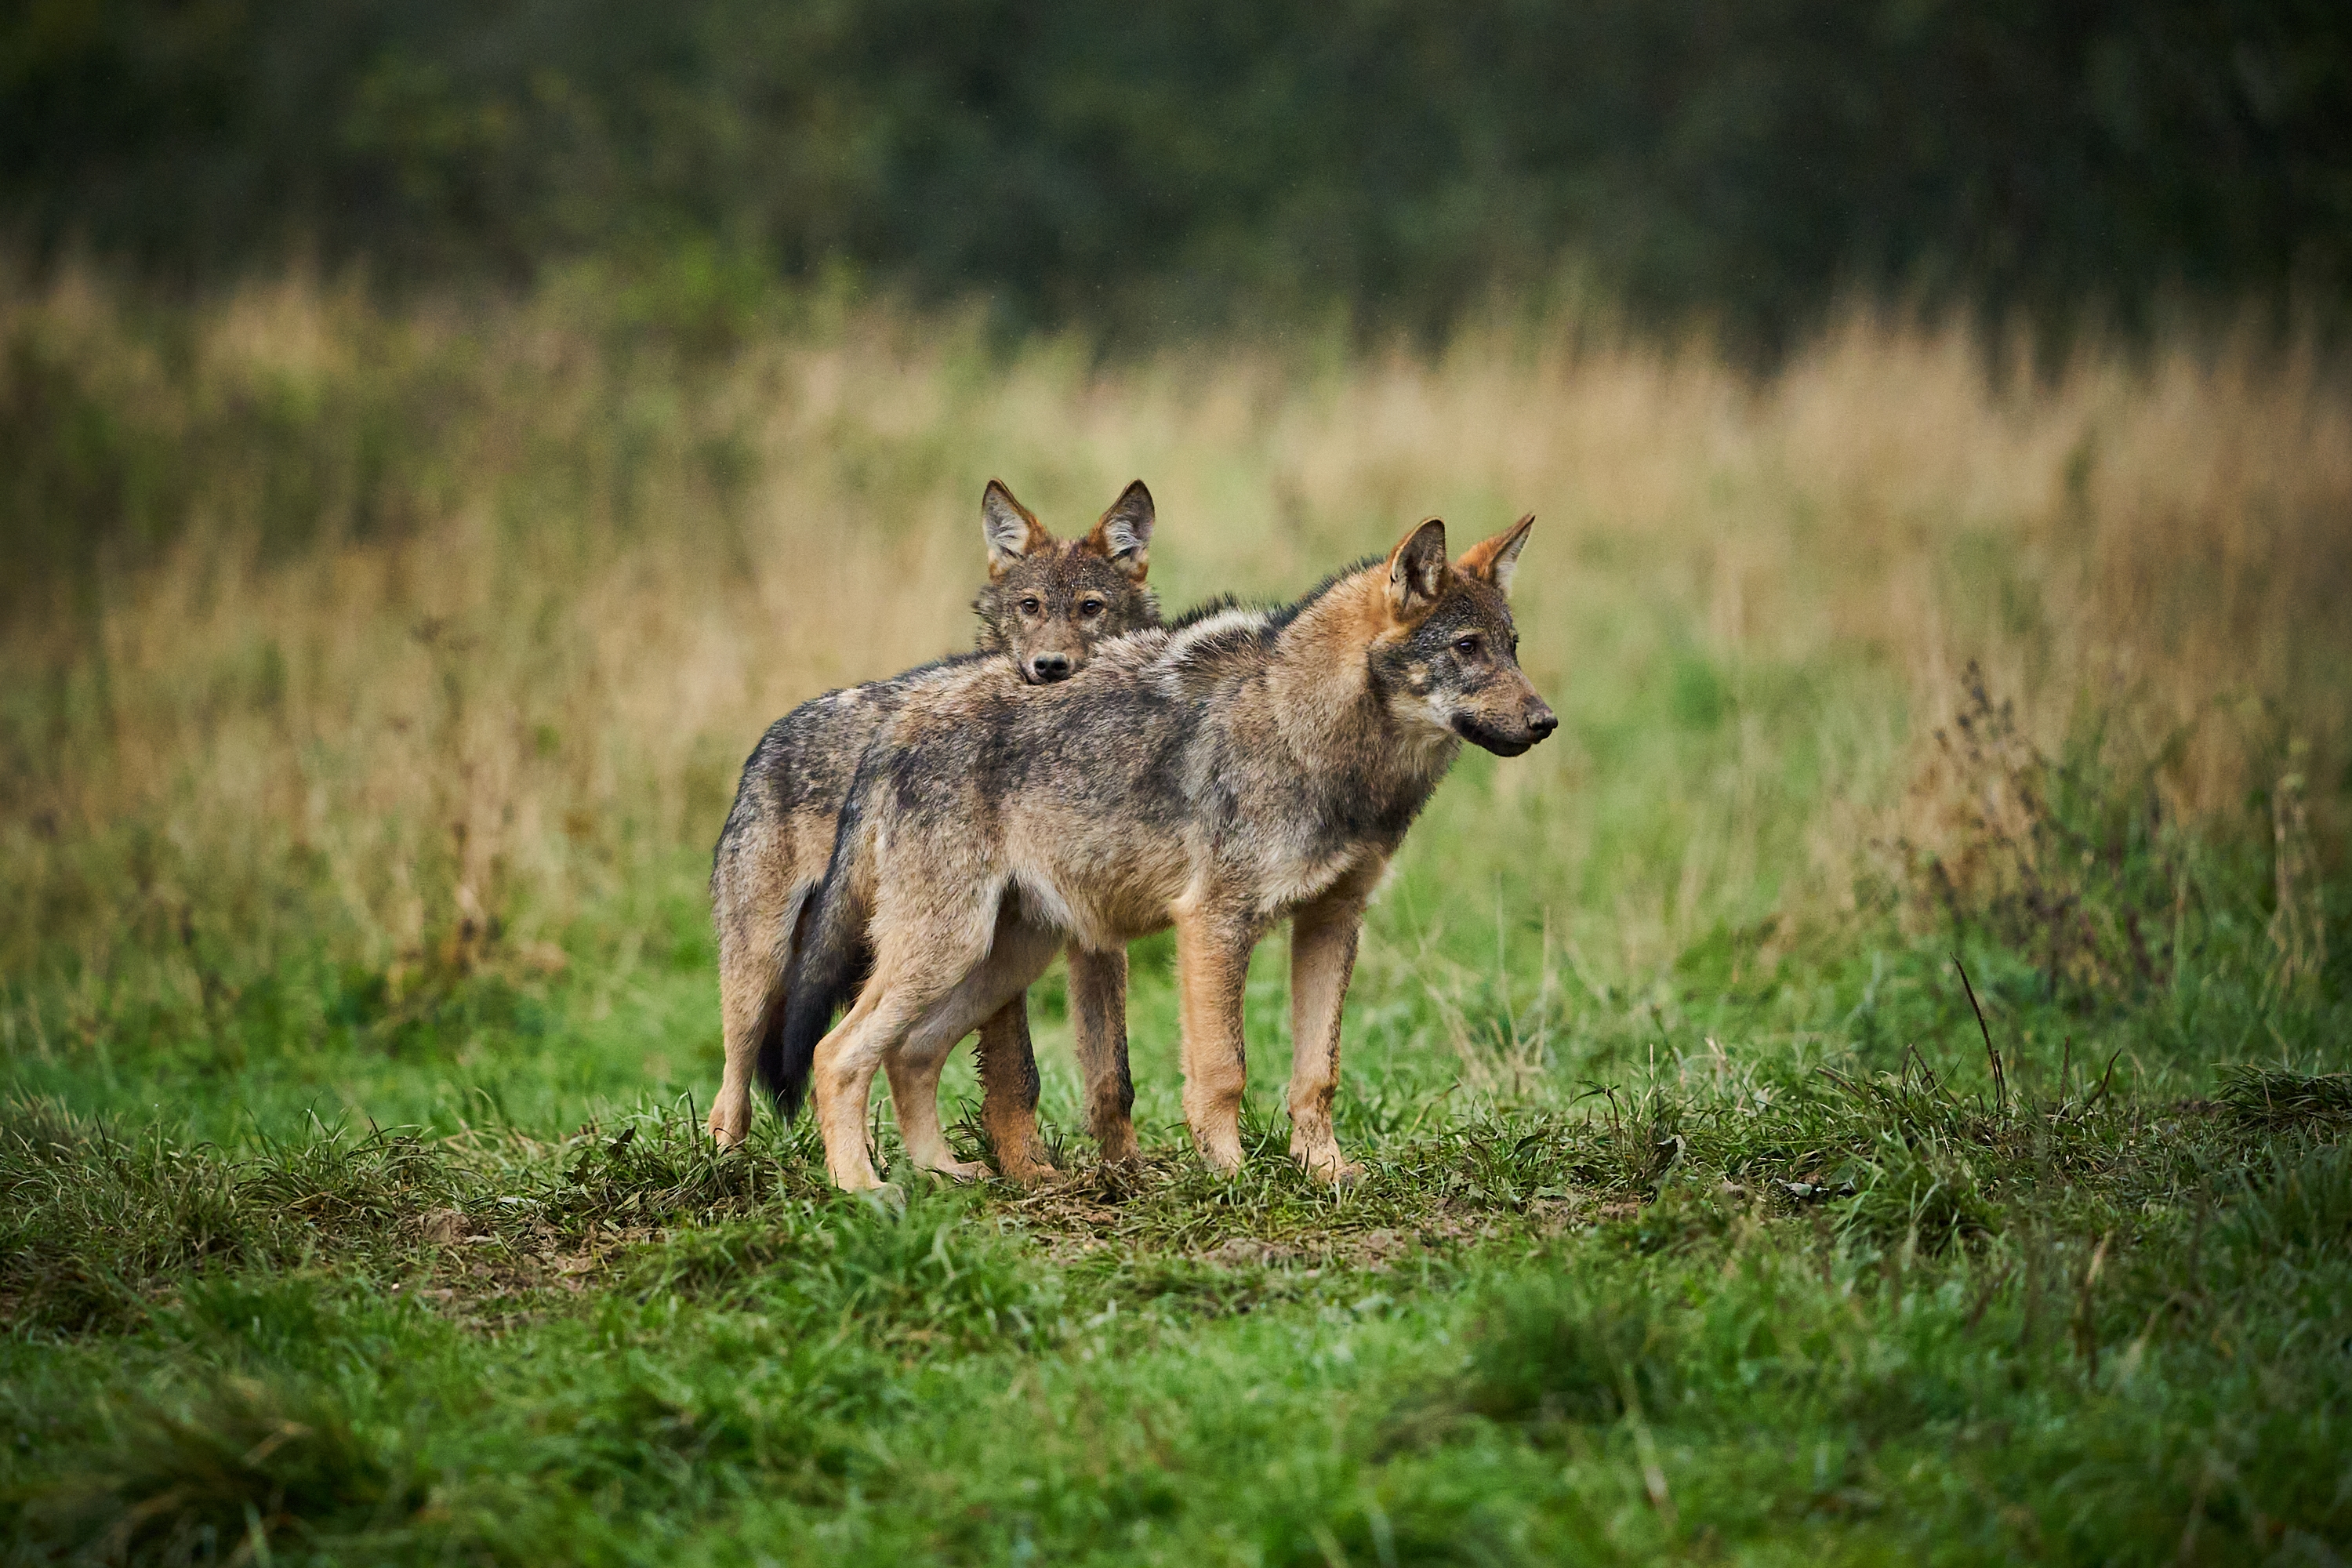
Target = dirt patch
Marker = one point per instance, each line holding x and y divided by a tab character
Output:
1371	1250
1163	1205
480	1267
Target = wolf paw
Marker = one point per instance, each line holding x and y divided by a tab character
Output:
1031	1172
1225	1162
1332	1167
959	1170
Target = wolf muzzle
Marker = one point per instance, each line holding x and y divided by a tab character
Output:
1538	720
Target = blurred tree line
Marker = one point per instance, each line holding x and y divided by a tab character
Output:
1156	167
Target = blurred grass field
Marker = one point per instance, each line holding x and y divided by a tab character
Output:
374	682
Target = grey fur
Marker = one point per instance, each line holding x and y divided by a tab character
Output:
1237	768
778	834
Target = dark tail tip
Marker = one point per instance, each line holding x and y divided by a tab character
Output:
829	965
769	1061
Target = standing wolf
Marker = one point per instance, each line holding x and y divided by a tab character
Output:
1216	776
1047	603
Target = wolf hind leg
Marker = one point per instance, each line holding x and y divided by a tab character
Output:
917	963
1098	1012
755	935
1008	1089
841	1083
1015	958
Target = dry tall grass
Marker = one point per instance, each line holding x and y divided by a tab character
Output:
446	621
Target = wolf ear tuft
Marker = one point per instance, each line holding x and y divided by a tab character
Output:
1011	529
1123	537
1494	560
1417	571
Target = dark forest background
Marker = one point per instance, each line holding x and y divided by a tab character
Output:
1149	169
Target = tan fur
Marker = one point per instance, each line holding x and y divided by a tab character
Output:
1213	949
780	864
1494	559
1011	529
1098	1015
1323	936
780	836
1007	1114
1235	779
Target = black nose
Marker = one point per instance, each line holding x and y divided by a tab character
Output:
1048	667
1542	720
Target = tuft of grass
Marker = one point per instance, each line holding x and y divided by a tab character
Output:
235	1469
2279	1100
662	1167
938	1279
94	1224
2297	1202
1548	1350
2066	862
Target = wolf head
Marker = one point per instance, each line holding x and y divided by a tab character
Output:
1048	601
1448	657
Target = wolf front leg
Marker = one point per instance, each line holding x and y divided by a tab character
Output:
1008	1094
1213	949
1322	958
915	1095
1099	1010
841	1087
982	997
933	978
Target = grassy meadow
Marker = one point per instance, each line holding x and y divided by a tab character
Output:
372	683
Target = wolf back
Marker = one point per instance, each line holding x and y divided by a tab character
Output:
1218	776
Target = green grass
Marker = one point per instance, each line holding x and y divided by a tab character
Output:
1759	1261
360	749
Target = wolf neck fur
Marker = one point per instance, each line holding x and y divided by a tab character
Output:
1333	717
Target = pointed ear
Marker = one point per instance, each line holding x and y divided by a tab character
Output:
1011	529
1417	572
1123	537
1493	560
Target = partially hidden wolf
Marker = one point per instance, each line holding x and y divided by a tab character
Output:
1216	775
1047	603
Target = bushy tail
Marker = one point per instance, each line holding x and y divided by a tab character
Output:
830	960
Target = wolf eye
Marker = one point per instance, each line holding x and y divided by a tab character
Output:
1466	647
1091	607
1028	606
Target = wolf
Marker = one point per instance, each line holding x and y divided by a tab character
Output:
1215	775
1047	603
